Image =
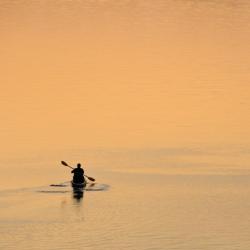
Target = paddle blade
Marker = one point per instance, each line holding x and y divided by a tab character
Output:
64	163
90	178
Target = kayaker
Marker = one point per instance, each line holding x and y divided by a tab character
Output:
78	174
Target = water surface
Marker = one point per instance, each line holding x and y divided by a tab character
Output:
152	97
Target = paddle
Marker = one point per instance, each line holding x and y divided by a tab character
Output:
66	164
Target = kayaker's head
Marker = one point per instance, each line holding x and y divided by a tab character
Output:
79	165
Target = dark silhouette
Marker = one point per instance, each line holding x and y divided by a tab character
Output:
78	174
78	194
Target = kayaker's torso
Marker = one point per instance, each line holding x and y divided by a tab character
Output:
78	175
78	171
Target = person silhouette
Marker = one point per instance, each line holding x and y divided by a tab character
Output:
78	174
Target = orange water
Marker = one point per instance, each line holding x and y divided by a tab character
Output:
123	73
152	97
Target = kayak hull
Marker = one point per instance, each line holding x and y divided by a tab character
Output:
78	185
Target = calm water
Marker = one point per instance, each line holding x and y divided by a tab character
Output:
152	96
153	199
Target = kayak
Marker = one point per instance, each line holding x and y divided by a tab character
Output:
78	185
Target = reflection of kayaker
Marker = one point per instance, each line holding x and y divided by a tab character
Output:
78	174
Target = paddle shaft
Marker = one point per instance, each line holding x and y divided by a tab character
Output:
68	166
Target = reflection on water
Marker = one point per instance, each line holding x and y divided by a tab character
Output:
78	194
141	211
